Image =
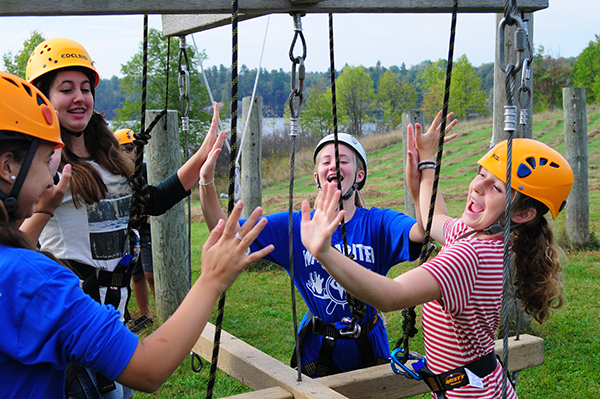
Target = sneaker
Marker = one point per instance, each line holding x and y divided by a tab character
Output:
141	323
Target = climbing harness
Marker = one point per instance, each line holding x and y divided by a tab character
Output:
295	94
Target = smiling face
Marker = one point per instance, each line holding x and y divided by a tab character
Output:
325	166
71	96
485	202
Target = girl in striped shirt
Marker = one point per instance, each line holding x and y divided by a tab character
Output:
461	288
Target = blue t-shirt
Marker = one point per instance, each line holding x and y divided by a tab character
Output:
48	322
378	239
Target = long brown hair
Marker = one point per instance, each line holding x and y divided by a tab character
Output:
537	271
86	183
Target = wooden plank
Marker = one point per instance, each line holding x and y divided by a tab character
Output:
269	393
256	7
258	371
183	24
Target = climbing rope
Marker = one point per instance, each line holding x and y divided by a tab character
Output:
295	104
358	308
183	83
137	180
511	18
409	315
234	107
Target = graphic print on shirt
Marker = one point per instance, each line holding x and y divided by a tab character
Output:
108	221
324	287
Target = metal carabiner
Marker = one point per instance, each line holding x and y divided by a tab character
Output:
350	332
405	371
520	39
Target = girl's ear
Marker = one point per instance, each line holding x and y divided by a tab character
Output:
360	176
524	216
8	167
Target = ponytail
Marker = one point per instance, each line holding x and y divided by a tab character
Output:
537	271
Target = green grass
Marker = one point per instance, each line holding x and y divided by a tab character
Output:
258	308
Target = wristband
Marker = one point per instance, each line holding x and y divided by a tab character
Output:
45	213
429	164
207	184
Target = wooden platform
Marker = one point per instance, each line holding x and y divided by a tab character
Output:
271	379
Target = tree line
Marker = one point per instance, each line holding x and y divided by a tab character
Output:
373	94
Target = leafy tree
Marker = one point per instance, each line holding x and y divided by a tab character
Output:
109	97
550	76
17	64
317	113
395	96
586	71
355	95
131	85
466	95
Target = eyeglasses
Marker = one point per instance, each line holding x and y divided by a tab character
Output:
127	147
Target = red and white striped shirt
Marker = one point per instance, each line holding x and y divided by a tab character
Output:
461	326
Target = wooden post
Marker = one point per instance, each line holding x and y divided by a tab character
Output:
577	210
500	85
169	234
414	116
251	159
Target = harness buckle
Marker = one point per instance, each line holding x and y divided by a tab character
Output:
350	332
404	370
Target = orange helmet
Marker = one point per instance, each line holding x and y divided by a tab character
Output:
538	171
25	110
124	136
54	54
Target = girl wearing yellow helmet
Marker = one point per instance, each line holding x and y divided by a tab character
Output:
47	321
88	230
461	288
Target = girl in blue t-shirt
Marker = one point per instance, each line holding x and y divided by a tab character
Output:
333	339
47	320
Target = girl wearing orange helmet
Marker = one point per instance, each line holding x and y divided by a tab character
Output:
461	288
88	229
47	321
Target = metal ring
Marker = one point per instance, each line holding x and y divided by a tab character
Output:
239	236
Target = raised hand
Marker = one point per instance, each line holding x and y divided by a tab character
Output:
224	255
316	232
427	143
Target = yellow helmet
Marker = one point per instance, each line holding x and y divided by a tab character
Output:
124	136
54	54
538	171
25	110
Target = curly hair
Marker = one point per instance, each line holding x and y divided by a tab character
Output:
537	271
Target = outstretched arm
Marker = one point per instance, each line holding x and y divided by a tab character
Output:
409	289
223	259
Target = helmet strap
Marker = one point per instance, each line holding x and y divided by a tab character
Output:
498	226
10	200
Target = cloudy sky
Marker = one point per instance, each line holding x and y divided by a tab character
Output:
564	29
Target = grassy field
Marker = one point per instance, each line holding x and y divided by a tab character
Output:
258	308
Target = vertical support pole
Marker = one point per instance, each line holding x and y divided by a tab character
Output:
577	210
500	86
251	159
169	234
414	116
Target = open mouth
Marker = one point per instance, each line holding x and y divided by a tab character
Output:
77	111
331	178
474	207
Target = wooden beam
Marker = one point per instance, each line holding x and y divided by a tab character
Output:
255	7
256	369
271	379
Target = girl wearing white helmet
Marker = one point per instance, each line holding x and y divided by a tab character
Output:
377	239
47	320
461	288
88	229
